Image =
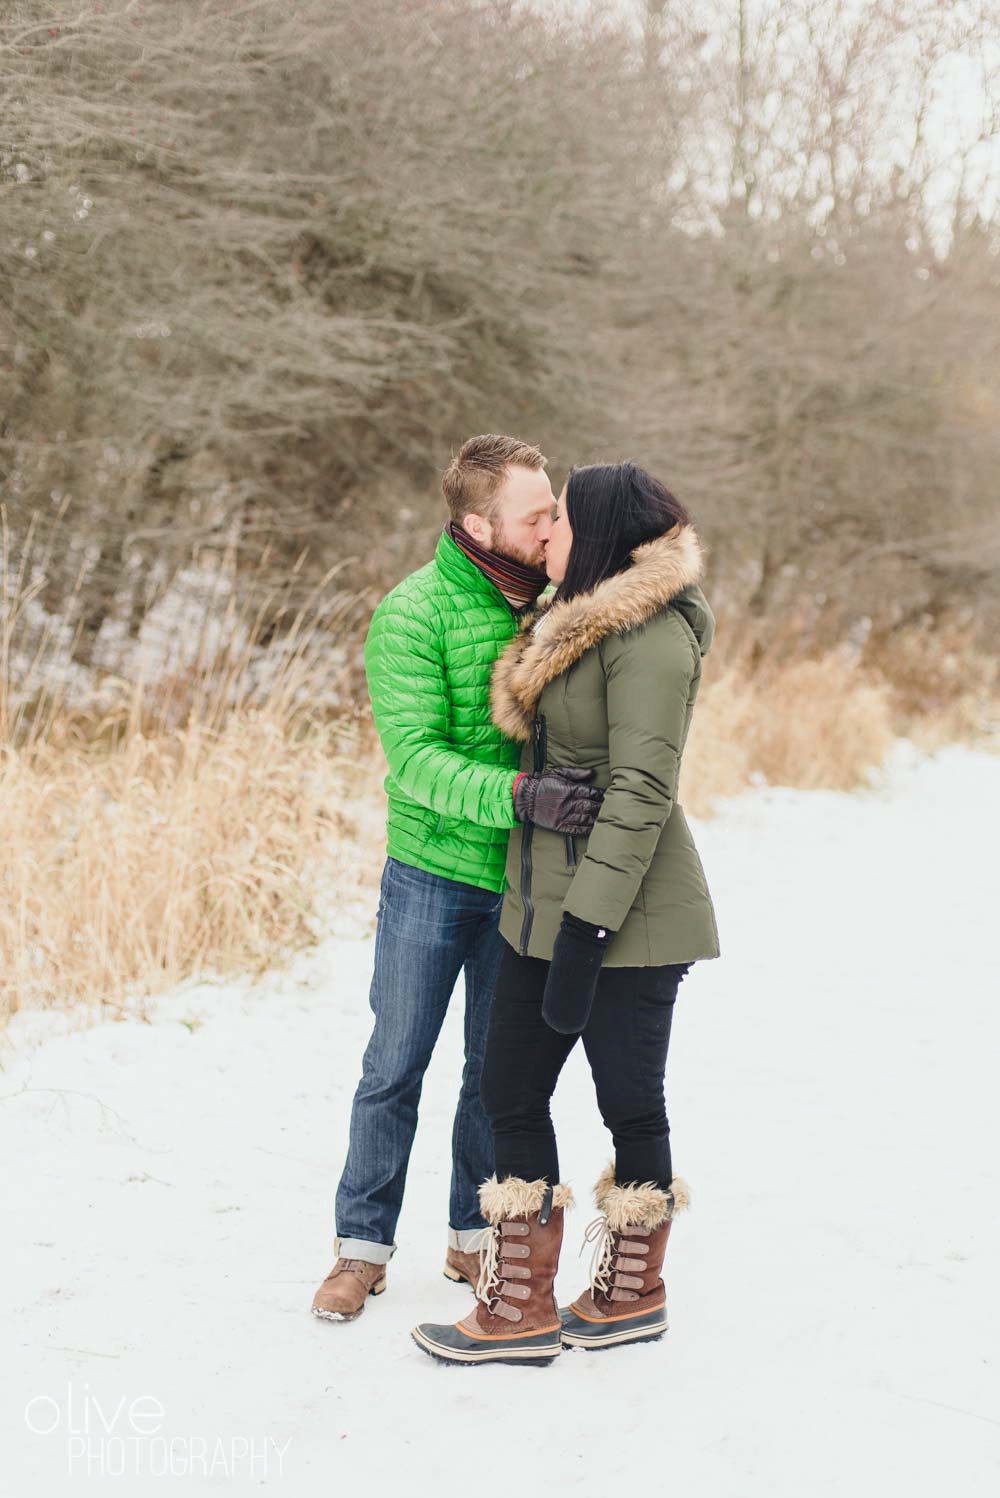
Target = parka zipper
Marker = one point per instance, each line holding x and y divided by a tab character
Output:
538	764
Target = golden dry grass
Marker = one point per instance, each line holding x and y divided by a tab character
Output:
825	720
162	858
204	827
192	825
208	852
805	723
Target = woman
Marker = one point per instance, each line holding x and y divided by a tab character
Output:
600	930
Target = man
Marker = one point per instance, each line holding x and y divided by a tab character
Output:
454	795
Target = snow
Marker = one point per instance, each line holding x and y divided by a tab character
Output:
832	1291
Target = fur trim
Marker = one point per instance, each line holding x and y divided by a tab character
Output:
500	1201
636	1205
660	569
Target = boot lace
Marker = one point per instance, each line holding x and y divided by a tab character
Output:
487	1245
599	1232
357	1266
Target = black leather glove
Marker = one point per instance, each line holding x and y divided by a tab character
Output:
558	800
573	973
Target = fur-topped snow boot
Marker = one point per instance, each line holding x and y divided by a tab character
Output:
626	1301
516	1319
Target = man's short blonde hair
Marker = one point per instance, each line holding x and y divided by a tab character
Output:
474	475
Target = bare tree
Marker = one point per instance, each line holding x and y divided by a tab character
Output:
263	266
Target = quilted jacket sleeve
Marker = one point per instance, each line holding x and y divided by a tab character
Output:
408	686
648	673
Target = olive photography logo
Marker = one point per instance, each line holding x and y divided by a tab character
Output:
127	1437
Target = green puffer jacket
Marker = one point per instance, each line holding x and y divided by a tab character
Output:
429	652
609	681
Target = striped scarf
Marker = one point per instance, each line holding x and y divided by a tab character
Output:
518	583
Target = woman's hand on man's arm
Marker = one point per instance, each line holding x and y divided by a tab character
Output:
559	800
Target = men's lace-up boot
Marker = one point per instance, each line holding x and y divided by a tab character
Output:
342	1295
463	1266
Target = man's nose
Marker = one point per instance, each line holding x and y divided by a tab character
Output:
544	529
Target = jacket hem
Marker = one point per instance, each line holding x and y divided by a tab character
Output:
494	887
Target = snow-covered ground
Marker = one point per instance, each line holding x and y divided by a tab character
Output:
832	1292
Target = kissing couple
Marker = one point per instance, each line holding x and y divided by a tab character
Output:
532	686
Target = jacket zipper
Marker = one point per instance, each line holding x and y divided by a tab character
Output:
538	764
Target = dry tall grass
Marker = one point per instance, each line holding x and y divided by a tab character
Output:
769	713
186	824
212	821
156	860
805	723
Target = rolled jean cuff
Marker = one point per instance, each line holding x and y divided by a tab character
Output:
465	1239
362	1248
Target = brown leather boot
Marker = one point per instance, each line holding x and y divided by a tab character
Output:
626	1301
342	1295
516	1319
460	1266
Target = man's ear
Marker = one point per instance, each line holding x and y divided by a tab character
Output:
478	528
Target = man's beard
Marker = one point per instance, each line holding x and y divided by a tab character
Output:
505	549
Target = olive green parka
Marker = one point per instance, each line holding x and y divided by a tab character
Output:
608	680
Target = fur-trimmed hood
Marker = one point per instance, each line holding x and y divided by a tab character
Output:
661	569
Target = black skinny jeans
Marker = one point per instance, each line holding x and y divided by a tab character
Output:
626	1040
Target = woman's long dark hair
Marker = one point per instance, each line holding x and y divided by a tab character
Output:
612	509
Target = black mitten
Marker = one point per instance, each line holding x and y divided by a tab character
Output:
573	973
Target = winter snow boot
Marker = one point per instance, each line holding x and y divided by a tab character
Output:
626	1301
342	1295
462	1266
516	1319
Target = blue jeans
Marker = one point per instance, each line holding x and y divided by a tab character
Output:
429	928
